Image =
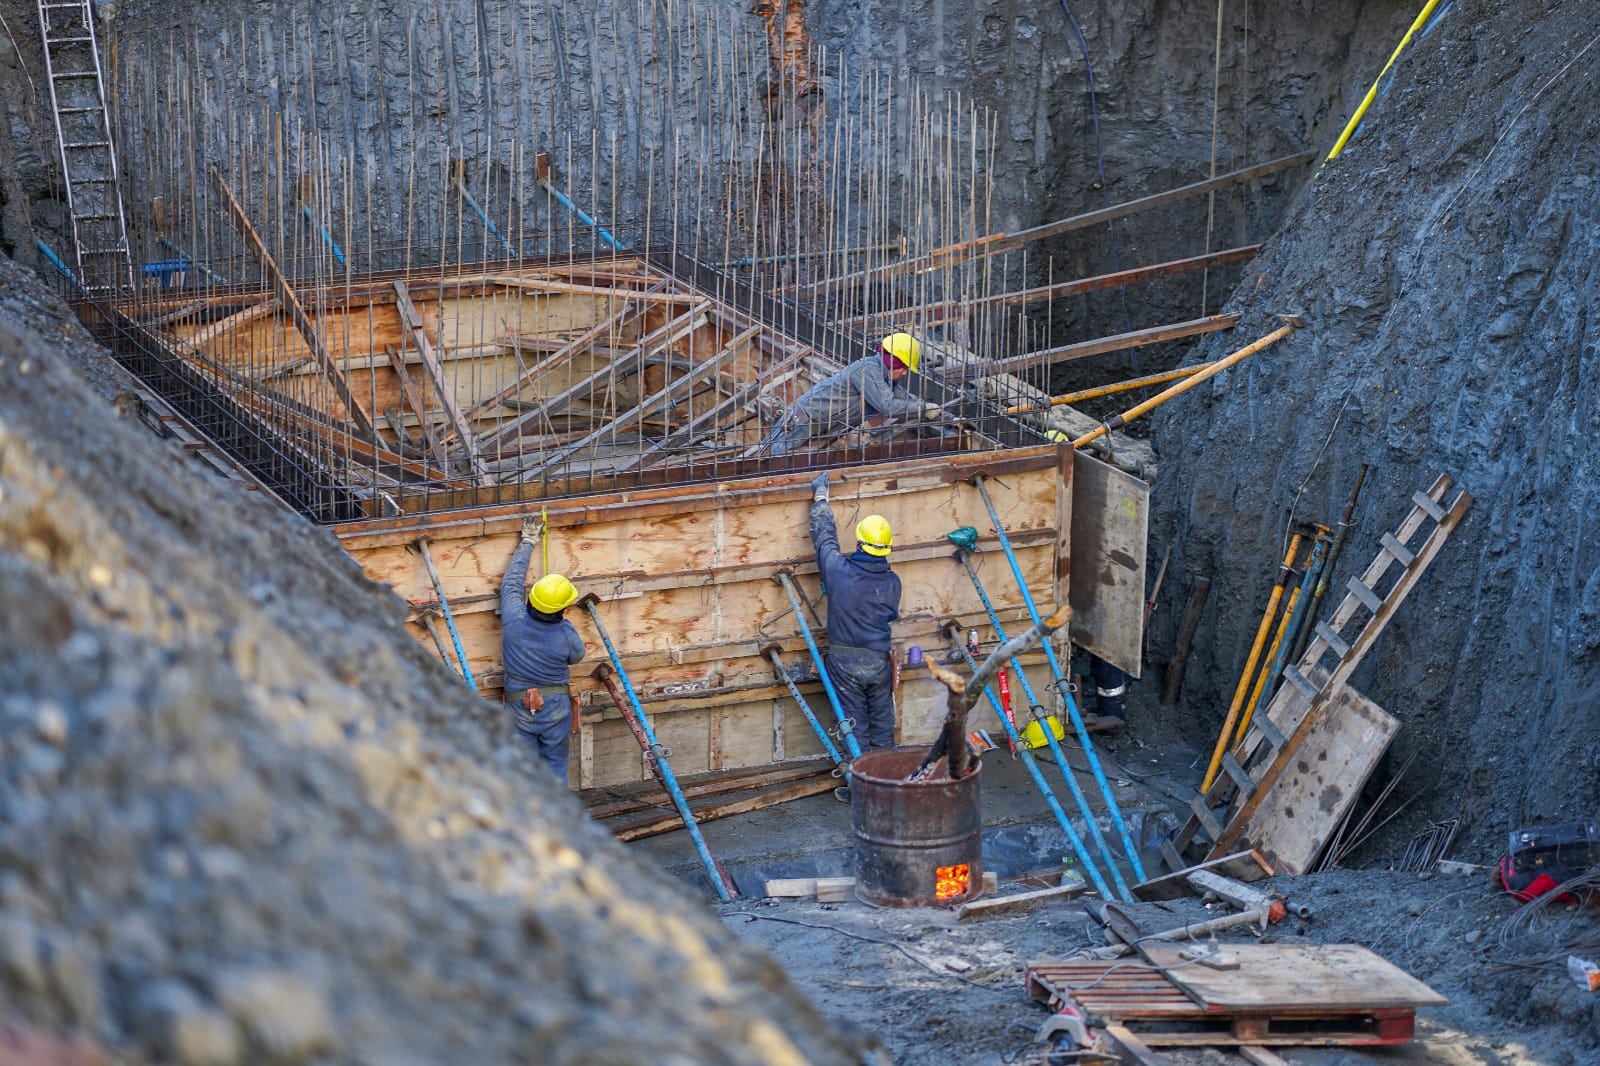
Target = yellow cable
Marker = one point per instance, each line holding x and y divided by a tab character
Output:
1372	93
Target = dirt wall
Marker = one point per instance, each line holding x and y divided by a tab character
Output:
1445	264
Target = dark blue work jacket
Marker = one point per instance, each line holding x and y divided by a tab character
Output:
863	593
538	649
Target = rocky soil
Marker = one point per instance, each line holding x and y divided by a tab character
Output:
243	817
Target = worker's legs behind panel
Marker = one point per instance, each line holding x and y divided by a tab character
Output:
791	432
1110	691
548	733
865	683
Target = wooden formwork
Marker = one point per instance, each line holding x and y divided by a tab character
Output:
686	579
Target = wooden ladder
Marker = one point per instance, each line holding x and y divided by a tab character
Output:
1255	765
88	157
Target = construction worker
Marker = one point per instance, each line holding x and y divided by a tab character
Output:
844	400
539	647
863	599
1110	694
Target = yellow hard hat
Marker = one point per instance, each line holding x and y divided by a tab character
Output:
874	535
551	594
1033	735
904	347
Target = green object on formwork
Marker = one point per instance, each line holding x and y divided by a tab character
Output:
965	538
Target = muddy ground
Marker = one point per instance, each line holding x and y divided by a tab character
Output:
934	990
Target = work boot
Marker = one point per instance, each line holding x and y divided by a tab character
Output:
842	793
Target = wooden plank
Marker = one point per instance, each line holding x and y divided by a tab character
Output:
609	327
1109	530
743	782
1304	806
1018	901
1241	866
942	311
1138	338
1133	1051
632	417
1260	1056
1330	978
414	400
1001	242
285	293
770	798
430	362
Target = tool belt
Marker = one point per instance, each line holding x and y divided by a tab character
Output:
533	698
850	649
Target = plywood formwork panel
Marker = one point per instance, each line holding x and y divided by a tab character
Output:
688	596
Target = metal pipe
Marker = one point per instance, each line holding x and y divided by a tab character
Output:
1339	536
327	238
805	708
583	217
1249	710
1108	390
1261	915
1295	615
1210	371
178	251
1050	738
1032	766
484	215
1242	689
656	754
444	609
1076	715
847	732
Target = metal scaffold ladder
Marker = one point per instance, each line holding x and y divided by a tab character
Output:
88	158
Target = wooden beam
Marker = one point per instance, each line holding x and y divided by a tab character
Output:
1004	242
430	362
409	393
269	266
1133	1051
929	314
559	359
760	778
200	338
769	798
706	420
687	322
654	295
628	418
1242	866
1138	338
1018	901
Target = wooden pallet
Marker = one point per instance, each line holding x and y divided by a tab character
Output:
1314	701
1281	995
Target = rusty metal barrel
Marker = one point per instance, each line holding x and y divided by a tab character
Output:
917	844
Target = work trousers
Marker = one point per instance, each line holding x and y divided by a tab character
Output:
547	732
791	432
1110	688
864	681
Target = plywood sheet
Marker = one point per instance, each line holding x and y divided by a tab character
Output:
1324	977
1321	782
1110	526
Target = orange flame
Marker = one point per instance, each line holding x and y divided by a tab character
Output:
952	881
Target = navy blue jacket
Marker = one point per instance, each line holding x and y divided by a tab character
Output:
863	593
537	650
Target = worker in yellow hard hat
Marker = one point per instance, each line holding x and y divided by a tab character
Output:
863	599
539	647
871	386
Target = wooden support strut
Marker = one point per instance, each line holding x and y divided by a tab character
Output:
1119	342
414	400
430	362
291	303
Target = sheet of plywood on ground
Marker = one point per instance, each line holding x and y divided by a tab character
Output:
1284	977
1111	510
1306	804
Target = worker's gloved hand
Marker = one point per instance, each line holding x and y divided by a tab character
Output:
819	488
1057	436
530	530
932	411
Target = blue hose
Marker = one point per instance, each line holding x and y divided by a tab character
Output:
1055	748
719	880
490	226
605	234
846	729
327	238
1054	804
1066	696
